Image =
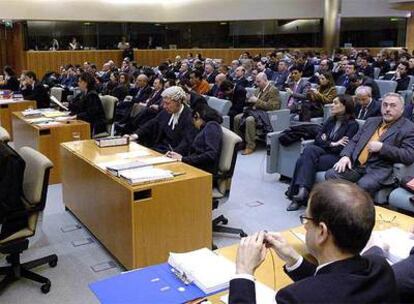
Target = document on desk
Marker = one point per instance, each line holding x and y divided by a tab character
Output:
145	175
264	295
153	284
133	154
209	271
400	243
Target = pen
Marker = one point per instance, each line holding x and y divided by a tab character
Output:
171	149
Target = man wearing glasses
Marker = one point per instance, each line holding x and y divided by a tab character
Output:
338	222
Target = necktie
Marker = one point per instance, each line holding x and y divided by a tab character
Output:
363	156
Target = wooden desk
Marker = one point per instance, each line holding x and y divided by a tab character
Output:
7	107
139	224
46	139
265	272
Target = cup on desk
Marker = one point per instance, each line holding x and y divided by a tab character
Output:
76	136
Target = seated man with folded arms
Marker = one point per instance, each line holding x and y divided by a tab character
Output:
266	98
172	128
338	223
366	106
369	156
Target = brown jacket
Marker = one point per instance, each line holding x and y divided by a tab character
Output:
268	100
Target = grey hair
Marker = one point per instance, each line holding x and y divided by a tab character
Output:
175	93
363	90
396	95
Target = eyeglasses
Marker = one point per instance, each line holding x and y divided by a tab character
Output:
304	219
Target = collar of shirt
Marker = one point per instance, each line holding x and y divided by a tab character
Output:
175	117
323	265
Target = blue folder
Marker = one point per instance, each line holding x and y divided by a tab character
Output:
154	284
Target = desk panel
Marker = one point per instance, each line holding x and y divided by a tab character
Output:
6	110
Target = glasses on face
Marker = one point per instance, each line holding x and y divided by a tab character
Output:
304	219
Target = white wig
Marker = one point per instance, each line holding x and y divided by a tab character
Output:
175	93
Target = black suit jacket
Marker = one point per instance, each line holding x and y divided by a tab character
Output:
402	83
11	84
212	77
38	93
398	146
368	71
243	82
88	107
404	275
141	95
238	100
366	279
348	128
158	135
373	110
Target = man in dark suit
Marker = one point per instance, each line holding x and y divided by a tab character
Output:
401	77
33	90
297	89
369	157
237	95
365	68
366	106
280	76
338	223
172	128
239	77
343	80
403	270
210	72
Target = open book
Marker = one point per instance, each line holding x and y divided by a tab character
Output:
209	271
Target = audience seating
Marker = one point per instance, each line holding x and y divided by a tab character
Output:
340	90
377	72
57	92
35	183
386	86
4	135
109	106
227	163
222	106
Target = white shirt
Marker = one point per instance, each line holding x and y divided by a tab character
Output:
174	118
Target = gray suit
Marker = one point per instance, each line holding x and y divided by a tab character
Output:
398	147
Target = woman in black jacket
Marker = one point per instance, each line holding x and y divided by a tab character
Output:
88	106
10	81
206	147
324	153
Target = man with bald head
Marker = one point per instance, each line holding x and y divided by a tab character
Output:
142	89
366	106
338	221
369	156
240	77
265	98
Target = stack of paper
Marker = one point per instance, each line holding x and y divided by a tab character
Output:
54	114
31	112
400	243
209	271
146	174
117	169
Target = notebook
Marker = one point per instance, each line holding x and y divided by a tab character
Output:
116	169
207	270
145	175
54	114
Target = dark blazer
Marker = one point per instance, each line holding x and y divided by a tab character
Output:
373	110
398	146
404	274
343	80
243	82
158	135
212	77
11	84
368	71
88	107
359	279
279	78
238	100
402	82
348	128
38	93
206	147
141	95
384	66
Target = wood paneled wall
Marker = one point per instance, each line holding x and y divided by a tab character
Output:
43	61
12	46
410	34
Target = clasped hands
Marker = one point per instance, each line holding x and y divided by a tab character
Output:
252	251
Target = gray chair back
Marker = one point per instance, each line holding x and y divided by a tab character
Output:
284	97
340	90
228	153
57	93
377	72
4	135
386	86
222	106
109	106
